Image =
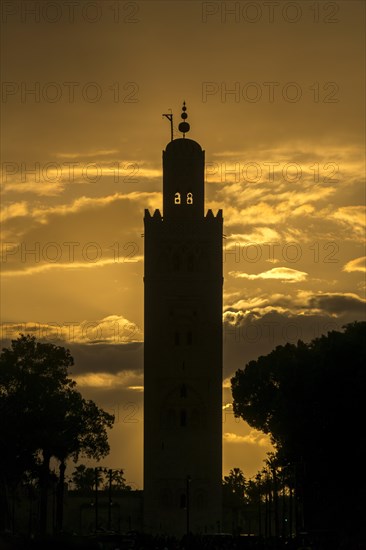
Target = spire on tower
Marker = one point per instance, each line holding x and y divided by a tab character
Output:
184	127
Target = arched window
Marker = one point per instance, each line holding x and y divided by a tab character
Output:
183	418
189	198
177	198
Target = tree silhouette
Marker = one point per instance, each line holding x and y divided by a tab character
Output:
235	485
234	494
308	397
44	416
115	480
82	430
83	478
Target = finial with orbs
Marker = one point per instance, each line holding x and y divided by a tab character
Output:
184	126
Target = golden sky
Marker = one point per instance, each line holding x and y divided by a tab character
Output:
275	96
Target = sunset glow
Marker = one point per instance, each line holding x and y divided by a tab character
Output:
278	107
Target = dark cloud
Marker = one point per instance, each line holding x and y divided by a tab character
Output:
340	304
107	358
97	358
247	336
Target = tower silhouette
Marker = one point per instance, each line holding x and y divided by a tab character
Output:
183	350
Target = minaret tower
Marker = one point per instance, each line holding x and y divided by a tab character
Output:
183	350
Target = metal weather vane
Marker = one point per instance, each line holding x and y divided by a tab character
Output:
169	116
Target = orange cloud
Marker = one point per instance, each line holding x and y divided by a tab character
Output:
284	274
253	438
113	329
358	264
106	380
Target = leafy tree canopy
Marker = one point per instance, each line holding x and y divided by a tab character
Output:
235	487
309	398
84	478
41	410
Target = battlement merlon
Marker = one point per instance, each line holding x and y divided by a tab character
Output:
211	215
156	215
159	218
